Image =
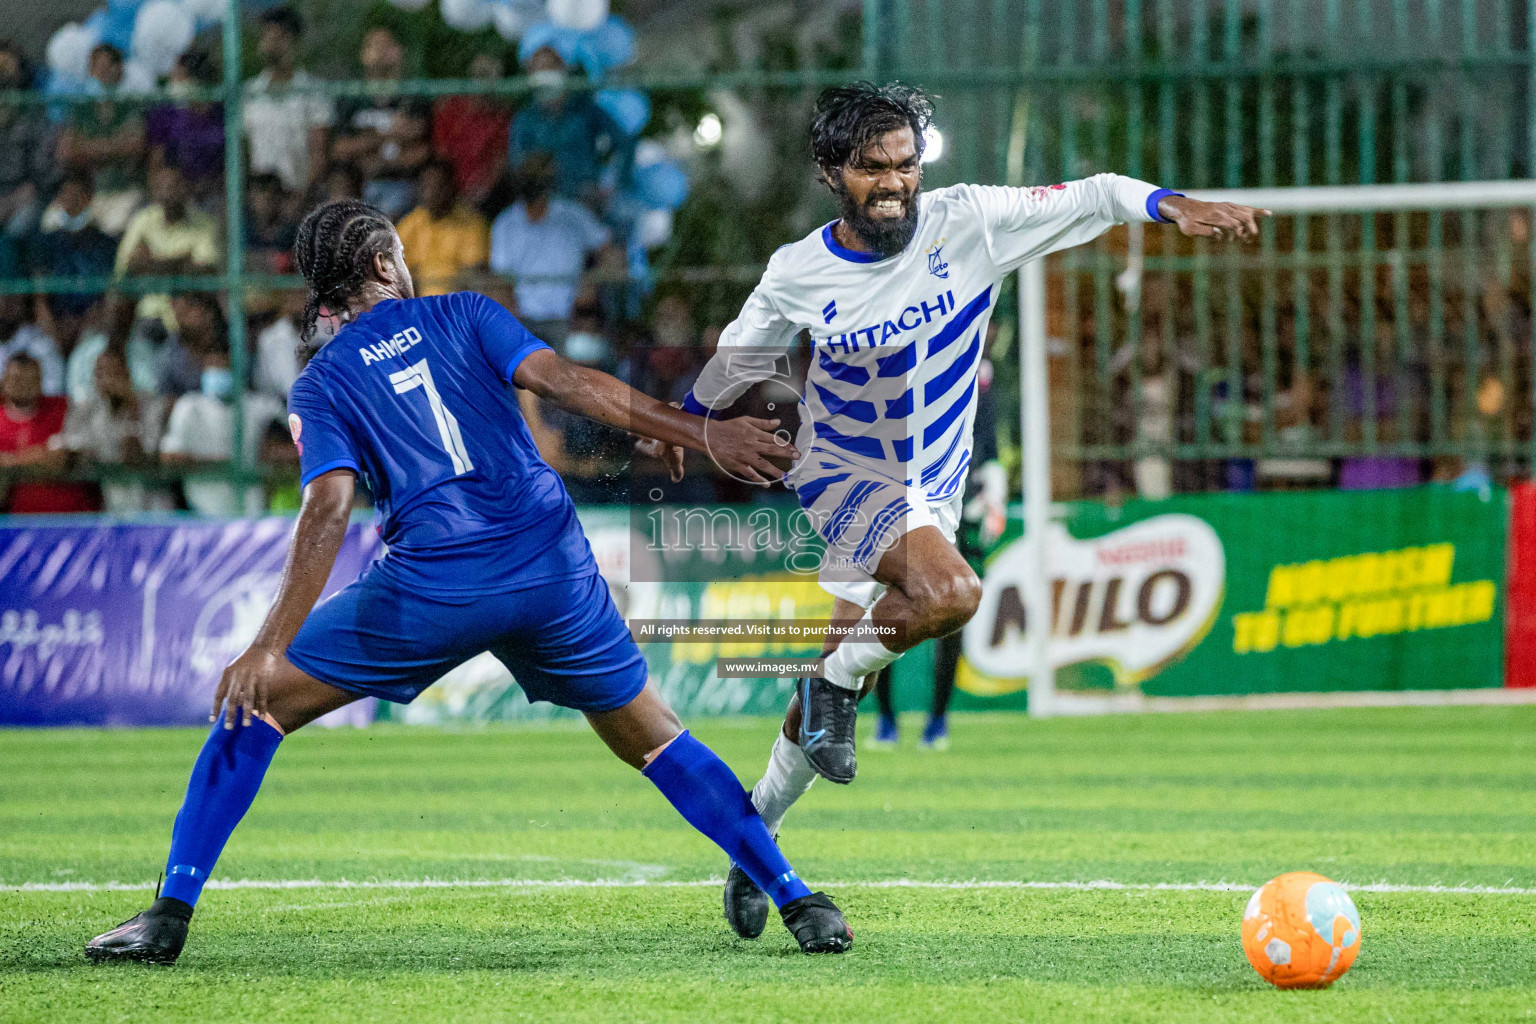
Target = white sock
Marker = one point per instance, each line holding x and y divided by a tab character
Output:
788	776
852	660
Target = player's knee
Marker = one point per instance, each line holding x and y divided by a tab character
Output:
946	601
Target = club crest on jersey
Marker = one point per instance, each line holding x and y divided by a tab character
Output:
936	265
296	428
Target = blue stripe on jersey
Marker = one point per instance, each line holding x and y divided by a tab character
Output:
844	372
898	363
934	468
843	517
853	408
939	386
935	430
948	487
956	327
811	490
866	446
899	408
903	449
883	521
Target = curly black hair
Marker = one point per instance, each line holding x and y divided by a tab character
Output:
335	244
850	117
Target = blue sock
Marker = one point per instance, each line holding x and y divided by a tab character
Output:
707	794
224	781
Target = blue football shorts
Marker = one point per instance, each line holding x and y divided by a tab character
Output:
563	642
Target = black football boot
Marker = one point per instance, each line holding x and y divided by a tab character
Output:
746	906
827	716
154	936
817	924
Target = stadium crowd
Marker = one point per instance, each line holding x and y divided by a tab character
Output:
130	393
514	200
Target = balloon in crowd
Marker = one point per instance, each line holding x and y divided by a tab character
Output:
612	42
630	109
466	15
581	15
514	17
69	51
161	33
205	11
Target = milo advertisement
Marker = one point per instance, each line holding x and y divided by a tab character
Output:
1257	593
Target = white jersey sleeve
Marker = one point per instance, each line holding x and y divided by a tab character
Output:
750	350
1022	224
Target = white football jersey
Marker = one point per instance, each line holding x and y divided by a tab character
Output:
891	389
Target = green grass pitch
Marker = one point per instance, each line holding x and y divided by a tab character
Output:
1413	798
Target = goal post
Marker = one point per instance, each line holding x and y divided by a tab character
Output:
1301	204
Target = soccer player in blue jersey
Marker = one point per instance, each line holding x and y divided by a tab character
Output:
485	553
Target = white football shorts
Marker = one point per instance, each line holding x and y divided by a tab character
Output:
861	515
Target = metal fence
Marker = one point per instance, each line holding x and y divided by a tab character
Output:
1193	93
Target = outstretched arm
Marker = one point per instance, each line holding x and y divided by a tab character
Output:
1024	224
742	446
316	539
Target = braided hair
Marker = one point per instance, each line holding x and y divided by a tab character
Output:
334	249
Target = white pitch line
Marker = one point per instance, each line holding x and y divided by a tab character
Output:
629	883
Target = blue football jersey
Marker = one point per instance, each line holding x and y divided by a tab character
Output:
414	396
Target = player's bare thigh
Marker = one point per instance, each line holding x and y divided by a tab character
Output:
295	698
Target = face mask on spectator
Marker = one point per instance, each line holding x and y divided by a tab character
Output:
78	222
546	84
218	382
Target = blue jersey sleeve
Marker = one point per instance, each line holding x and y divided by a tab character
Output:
324	443
504	340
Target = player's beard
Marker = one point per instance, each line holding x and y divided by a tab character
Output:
885	236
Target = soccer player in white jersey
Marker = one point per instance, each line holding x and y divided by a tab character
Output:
895	295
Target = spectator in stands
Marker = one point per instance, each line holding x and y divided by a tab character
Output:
20	336
337	181
189	135
270	227
569	126
443	239
28	420
1389	384
107	139
668	362
543	243
26	153
69	244
471	131
116	425
200	434
277	344
168	237
384	134
286	133
200	328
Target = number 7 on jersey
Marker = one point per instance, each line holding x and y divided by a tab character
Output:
419	375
